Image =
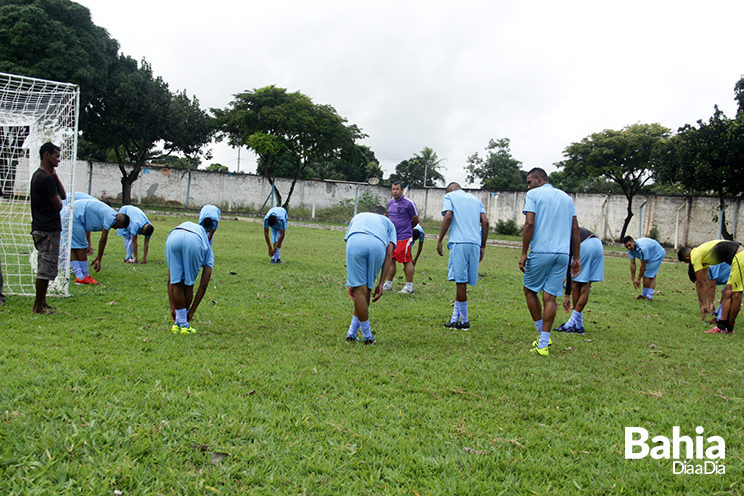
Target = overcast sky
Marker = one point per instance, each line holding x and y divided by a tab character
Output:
449	75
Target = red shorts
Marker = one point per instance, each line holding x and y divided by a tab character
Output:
402	251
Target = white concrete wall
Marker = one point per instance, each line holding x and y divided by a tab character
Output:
232	191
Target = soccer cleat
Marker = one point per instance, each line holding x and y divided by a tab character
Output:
129	260
176	329
641	297
562	328
452	325
405	291
575	330
81	281
387	287
464	325
550	342
273	260
90	280
716	330
540	351
370	340
278	260
351	339
187	329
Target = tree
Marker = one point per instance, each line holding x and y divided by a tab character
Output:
217	167
708	158
499	171
137	113
287	131
625	157
411	172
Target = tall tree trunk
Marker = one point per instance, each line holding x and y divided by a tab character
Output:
300	168
627	218
724	230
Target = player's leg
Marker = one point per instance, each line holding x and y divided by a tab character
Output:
47	246
733	311
649	278
129	258
388	286
408	267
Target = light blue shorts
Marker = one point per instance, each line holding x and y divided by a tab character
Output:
652	268
365	255
79	241
464	259
545	272
275	235
592	261
719	273
183	256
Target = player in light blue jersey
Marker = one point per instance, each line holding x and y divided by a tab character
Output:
551	234
275	224
188	250
420	235
139	225
651	254
91	216
370	240
465	218
211	212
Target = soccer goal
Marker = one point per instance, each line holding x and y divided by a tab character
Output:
32	112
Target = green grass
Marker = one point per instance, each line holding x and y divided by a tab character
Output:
102	397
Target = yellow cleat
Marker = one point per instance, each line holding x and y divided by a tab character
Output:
540	351
187	330
175	329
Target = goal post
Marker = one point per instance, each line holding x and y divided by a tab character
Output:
33	112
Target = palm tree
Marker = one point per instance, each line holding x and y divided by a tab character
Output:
431	161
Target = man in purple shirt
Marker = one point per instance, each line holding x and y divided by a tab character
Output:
404	216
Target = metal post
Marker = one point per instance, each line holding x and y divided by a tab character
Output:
676	229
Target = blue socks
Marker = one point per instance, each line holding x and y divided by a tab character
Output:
354	327
648	293
460	313
366	329
544	335
76	266
181	314
277	254
577	320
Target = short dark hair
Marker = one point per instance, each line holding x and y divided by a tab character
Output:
126	220
148	229
47	147
207	223
272	219
537	171
627	238
682	253
396	183
378	209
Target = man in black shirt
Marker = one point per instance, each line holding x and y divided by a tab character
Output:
47	194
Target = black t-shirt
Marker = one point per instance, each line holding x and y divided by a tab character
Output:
44	217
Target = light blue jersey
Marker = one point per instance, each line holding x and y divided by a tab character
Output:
647	249
466	221
719	273
554	213
373	224
93	215
282	220
187	250
137	220
419	234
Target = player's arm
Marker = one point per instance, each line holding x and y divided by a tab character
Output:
641	271
278	244
145	250
101	248
203	284
445	227
383	271
134	247
484	234
420	247
702	284
89	249
527	232
60	189
576	247
268	241
414	221
633	272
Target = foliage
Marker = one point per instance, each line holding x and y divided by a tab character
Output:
177	162
411	172
138	113
708	158
217	167
101	397
625	157
287	131
507	227
499	171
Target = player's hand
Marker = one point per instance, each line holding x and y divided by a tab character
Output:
575	267
522	261
566	303
636	284
96	265
439	248
190	315
89	250
351	292
482	253
378	292
704	312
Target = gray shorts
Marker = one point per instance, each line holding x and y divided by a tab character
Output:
47	244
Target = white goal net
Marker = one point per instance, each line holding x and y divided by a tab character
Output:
32	112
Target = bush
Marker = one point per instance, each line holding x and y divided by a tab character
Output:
507	228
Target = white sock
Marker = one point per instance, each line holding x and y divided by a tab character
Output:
544	339
456	312
463	310
577	318
366	329
354	327
181	314
409	285
388	285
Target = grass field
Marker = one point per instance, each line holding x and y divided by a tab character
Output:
268	398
